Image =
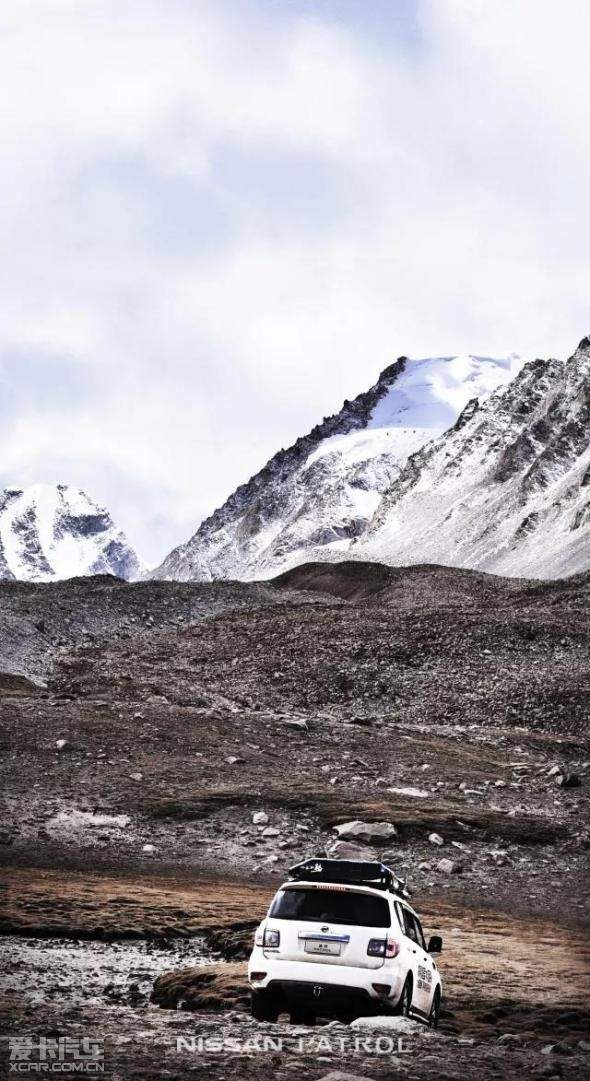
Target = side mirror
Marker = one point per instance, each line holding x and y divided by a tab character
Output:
435	944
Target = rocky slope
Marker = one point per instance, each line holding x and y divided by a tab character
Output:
195	740
506	489
321	493
50	532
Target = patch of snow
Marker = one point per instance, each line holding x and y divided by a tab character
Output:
415	793
432	392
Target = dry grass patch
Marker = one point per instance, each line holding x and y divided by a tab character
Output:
411	816
88	905
210	988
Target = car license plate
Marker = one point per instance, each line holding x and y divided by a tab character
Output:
317	946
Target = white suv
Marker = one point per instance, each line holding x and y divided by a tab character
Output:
341	940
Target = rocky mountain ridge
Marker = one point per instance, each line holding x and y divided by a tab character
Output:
320	494
507	489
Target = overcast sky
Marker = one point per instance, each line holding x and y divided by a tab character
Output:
220	219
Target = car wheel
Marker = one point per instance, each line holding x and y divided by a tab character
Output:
405	1002
434	1010
263	1008
302	1017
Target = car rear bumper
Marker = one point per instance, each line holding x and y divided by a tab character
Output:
298	978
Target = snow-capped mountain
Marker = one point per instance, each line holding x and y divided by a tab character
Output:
507	489
314	499
49	532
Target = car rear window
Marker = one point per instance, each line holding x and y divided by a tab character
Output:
331	906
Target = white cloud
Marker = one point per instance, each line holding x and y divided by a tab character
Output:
219	219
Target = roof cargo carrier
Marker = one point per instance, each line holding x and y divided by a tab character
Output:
350	872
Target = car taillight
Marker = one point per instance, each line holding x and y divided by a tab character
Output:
272	938
392	948
383	947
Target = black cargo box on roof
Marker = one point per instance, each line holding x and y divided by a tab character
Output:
349	872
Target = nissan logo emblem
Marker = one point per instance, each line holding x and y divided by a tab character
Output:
317	991
324	929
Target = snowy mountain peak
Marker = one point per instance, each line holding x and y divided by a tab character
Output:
49	532
506	490
321	493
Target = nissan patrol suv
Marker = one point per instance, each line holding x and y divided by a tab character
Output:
341	940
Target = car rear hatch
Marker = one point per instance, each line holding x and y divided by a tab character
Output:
332	925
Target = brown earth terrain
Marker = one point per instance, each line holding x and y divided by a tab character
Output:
142	727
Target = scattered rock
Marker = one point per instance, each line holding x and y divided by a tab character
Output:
63	745
136	776
148	849
260	818
292	722
449	867
270	831
435	839
568	780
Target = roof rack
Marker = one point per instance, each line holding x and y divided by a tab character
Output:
353	872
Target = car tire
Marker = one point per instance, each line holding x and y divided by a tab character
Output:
434	1014
263	1008
302	1017
405	1000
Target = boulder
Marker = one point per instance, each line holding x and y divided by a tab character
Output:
366	832
339	1075
413	793
344	850
402	1026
